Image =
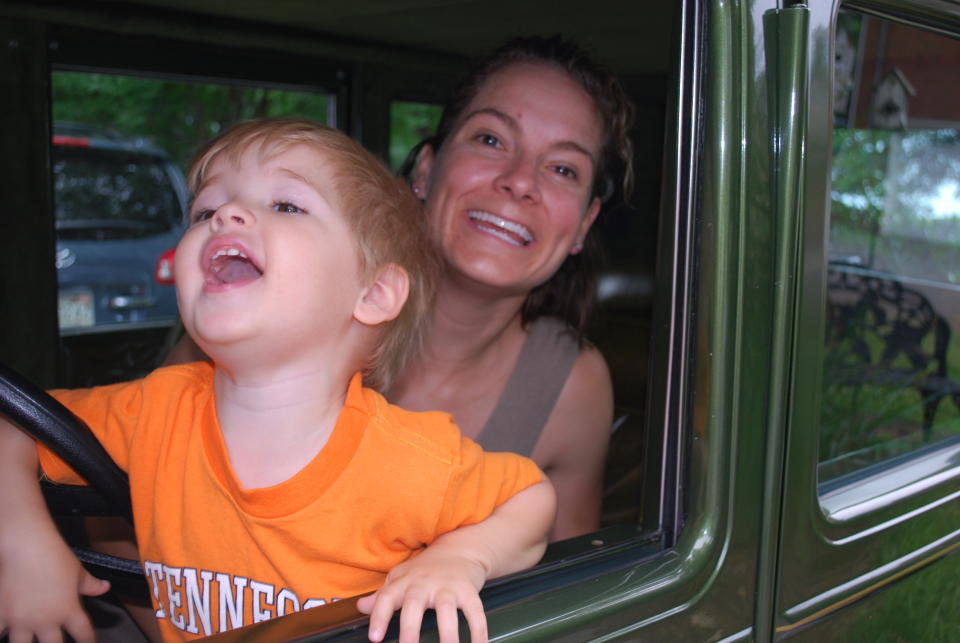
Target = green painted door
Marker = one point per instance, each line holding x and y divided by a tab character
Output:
872	459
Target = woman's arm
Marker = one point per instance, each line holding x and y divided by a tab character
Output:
573	446
40	578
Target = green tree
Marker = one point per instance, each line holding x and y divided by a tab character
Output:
175	116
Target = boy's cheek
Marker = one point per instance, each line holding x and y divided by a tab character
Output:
187	277
184	260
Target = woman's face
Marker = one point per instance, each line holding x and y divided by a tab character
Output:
509	192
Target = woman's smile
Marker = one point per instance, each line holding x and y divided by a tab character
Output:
510	231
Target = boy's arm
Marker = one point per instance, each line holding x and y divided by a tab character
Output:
40	578
449	574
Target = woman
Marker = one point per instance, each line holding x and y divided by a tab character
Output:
512	182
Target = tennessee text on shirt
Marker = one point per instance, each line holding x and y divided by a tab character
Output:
190	599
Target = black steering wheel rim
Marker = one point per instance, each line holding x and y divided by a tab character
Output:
52	424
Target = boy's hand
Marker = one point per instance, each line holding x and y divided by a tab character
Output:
449	573
40	585
40	578
438	578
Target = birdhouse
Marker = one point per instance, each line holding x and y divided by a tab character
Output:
891	96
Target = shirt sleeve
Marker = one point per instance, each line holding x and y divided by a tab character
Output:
480	482
111	412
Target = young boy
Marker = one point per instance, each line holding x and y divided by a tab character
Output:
273	481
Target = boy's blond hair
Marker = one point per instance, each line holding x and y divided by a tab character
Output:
387	222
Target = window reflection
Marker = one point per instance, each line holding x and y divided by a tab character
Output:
891	381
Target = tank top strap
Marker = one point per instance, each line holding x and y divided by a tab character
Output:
545	361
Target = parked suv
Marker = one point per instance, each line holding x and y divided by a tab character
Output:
120	211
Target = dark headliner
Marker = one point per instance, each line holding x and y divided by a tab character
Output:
630	36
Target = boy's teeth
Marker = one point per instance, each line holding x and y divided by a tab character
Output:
229	252
231	265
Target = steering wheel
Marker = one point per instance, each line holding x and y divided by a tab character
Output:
66	435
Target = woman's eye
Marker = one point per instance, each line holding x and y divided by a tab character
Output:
201	215
287	207
565	171
488	139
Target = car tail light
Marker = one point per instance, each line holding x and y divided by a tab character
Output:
71	141
164	272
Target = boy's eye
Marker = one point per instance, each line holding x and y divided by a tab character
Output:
201	215
287	207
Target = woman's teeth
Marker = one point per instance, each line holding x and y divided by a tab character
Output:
509	231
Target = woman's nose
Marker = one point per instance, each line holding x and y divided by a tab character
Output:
233	214
519	178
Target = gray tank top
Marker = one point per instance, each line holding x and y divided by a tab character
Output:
545	361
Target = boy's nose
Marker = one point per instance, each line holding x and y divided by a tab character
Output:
233	213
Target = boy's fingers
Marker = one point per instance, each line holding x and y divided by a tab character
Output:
79	627
380	615
366	603
447	623
411	618
92	586
472	608
19	635
49	635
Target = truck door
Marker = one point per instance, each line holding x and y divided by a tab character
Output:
872	452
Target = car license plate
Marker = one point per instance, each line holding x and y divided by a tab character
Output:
76	309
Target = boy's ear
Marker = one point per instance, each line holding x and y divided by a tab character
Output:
420	179
383	299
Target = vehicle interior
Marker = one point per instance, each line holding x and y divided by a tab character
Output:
364	59
173	73
368	56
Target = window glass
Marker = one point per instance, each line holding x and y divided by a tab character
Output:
107	194
410	123
891	381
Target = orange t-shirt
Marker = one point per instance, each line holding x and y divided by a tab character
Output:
218	556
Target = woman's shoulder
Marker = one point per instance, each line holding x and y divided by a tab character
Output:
587	373
589	384
591	370
551	329
583	412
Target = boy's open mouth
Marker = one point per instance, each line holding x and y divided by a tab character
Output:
230	265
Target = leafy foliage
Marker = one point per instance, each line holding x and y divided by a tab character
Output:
889	190
176	116
410	123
